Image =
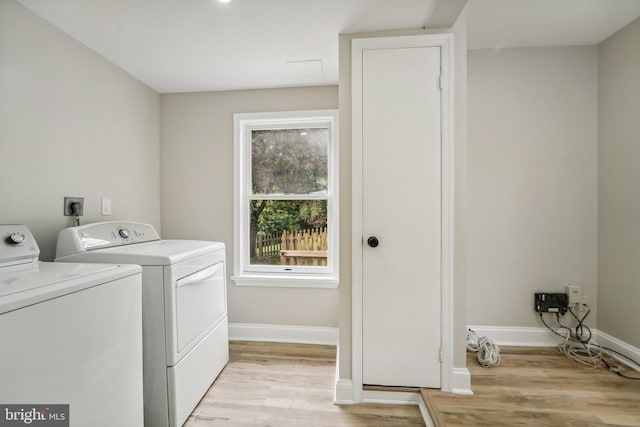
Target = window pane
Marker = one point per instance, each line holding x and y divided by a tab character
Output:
288	232
289	161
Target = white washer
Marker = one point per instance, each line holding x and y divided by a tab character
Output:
69	334
184	309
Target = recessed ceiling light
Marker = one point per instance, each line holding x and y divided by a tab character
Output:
224	1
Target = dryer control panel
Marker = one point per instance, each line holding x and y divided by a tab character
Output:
102	235
18	245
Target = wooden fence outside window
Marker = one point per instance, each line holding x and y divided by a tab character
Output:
301	247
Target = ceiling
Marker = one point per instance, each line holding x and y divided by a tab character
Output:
494	24
203	45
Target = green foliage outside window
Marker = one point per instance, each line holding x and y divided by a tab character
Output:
291	162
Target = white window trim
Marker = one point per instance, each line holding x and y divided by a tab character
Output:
286	276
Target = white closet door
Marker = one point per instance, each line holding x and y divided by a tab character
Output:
401	190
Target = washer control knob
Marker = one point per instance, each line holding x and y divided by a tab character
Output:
124	233
16	238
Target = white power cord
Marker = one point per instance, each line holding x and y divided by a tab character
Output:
488	351
472	340
576	345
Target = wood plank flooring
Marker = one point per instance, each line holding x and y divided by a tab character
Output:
282	385
538	387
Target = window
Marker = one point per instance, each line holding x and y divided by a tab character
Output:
286	201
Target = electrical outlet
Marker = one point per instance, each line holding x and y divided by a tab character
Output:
73	206
551	303
574	293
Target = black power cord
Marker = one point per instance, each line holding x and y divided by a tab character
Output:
584	352
75	211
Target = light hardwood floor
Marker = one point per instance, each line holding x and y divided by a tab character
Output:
267	384
287	385
538	387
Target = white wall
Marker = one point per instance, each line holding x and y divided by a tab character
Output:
461	191
532	179
71	124
197	191
619	184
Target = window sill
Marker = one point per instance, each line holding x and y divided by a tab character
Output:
286	281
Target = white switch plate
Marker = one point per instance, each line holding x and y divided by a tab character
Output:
106	206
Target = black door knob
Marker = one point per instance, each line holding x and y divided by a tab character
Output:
373	241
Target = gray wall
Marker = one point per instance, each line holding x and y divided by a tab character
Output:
197	191
532	179
71	124
552	174
619	184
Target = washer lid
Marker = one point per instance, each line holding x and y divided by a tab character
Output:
159	252
26	285
19	279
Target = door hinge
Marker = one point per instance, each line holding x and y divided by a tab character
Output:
441	355
442	83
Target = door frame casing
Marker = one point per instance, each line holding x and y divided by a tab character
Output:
445	42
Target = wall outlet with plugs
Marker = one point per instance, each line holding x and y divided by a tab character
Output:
548	302
73	206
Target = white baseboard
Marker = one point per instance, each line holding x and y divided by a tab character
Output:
426	416
343	393
391	397
344	396
606	340
399	398
518	336
542	337
283	333
461	381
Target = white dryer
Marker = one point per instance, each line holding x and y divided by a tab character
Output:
70	334
184	306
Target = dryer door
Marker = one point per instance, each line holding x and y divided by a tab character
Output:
200	304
